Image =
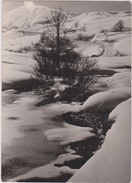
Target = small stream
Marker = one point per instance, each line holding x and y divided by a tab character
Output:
24	145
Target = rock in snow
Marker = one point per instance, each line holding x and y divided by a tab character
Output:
112	162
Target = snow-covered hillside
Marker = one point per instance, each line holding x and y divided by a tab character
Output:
23	27
22	17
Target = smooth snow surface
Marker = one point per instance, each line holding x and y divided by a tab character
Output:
124	46
112	162
119	80
16	67
120	109
47	172
65	135
114	62
22	17
107	100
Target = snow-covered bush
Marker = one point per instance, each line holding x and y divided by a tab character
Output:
80	37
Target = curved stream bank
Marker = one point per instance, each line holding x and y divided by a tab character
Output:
35	137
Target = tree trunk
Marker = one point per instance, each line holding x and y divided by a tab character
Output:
58	46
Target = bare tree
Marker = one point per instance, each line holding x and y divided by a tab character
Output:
57	31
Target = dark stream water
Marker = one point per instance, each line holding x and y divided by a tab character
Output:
24	145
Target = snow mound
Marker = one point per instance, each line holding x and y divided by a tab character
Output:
45	173
107	100
65	135
16	67
119	80
124	46
120	109
67	158
114	62
90	49
113	161
59	108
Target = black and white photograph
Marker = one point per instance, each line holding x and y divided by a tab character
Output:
66	91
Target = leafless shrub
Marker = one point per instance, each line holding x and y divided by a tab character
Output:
118	27
76	24
120	54
82	37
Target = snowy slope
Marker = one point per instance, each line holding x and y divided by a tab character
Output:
112	162
21	17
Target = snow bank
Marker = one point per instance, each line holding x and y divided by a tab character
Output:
67	158
107	100
89	49
46	173
114	62
10	76
122	108
65	135
112	162
59	108
124	46
14	40
119	80
16	67
110	37
51	172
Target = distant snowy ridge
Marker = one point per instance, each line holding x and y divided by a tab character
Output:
23	17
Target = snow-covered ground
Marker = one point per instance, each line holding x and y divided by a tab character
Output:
112	49
113	161
16	67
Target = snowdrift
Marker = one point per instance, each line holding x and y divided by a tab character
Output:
65	135
124	46
112	162
119	80
107	100
113	63
16	67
